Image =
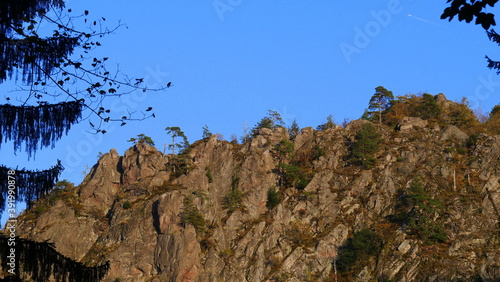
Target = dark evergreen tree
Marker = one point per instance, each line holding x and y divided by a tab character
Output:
41	262
428	108
142	138
367	144
328	124
29	185
44	63
37	127
293	130
272	120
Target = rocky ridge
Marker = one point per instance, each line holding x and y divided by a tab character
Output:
206	215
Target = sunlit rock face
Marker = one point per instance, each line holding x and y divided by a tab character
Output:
209	214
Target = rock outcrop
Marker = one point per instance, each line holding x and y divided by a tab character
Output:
210	215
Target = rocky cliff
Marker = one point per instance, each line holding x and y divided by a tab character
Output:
280	210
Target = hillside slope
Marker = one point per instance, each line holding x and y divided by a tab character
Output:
428	209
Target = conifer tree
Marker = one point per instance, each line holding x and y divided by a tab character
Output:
428	108
206	133
273	120
367	144
328	124
45	53
175	132
380	101
48	54
293	130
142	138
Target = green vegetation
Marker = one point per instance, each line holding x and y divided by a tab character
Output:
175	132
367	144
209	175
293	130
297	173
294	176
379	102
328	124
64	191
495	110
460	115
472	141
316	152
273	120
283	150
206	133
418	211
142	139
126	205
191	215
62	184
232	201
273	198
300	235
179	165
358	249
40	209
428	108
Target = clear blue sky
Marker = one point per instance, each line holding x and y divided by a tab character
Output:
230	61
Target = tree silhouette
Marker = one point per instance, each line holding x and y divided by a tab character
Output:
46	50
49	66
41	262
468	10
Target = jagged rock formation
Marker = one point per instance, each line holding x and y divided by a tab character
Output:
209	215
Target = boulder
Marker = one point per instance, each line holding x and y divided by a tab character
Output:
408	123
452	132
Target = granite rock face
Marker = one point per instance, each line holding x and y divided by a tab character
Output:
206	215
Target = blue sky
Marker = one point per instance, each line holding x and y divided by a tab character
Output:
232	60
